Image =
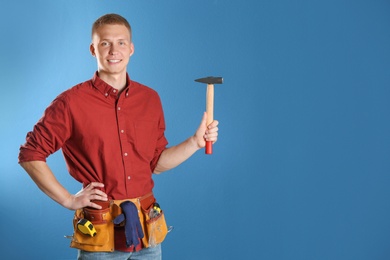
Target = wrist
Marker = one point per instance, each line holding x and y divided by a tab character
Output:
68	202
194	142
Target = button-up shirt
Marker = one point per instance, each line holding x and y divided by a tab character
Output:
105	137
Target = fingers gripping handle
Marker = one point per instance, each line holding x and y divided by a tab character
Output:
210	114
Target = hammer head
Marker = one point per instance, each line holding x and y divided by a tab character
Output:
210	80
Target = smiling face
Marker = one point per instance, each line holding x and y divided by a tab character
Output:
112	47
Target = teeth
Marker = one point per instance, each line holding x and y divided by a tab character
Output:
114	60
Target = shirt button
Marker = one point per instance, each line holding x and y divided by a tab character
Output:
128	177
125	154
106	94
114	91
127	94
122	131
119	108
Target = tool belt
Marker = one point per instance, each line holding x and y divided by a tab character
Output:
154	226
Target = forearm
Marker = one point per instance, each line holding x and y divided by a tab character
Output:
175	155
44	178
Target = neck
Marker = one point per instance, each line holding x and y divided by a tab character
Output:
117	81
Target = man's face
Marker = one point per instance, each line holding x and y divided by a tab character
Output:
112	47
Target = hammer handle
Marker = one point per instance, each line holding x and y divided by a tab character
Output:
210	114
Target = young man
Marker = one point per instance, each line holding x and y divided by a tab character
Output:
111	132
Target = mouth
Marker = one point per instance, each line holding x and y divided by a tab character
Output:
114	61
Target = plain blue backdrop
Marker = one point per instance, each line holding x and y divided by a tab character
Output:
301	169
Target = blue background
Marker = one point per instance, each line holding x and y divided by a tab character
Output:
301	168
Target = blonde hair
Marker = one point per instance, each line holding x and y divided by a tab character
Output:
110	19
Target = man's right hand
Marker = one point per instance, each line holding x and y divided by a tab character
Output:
86	196
42	175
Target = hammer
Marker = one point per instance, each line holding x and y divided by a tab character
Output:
210	81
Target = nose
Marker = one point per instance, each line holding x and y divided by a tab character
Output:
113	49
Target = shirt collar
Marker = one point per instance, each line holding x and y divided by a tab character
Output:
105	88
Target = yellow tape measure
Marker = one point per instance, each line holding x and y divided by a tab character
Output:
86	227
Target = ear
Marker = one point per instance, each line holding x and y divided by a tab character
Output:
131	49
92	49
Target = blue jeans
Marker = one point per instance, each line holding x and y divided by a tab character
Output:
150	253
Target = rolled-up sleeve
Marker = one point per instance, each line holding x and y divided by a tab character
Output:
161	140
49	134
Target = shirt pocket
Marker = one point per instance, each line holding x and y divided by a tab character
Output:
145	138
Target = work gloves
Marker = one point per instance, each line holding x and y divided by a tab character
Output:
133	229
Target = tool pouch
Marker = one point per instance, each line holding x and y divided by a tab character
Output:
155	227
102	221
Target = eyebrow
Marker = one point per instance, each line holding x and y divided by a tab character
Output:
109	40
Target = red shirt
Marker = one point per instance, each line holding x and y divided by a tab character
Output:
105	137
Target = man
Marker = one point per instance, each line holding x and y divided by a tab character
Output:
111	132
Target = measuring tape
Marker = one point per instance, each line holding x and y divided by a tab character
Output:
86	227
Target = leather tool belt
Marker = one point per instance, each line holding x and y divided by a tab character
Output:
154	226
